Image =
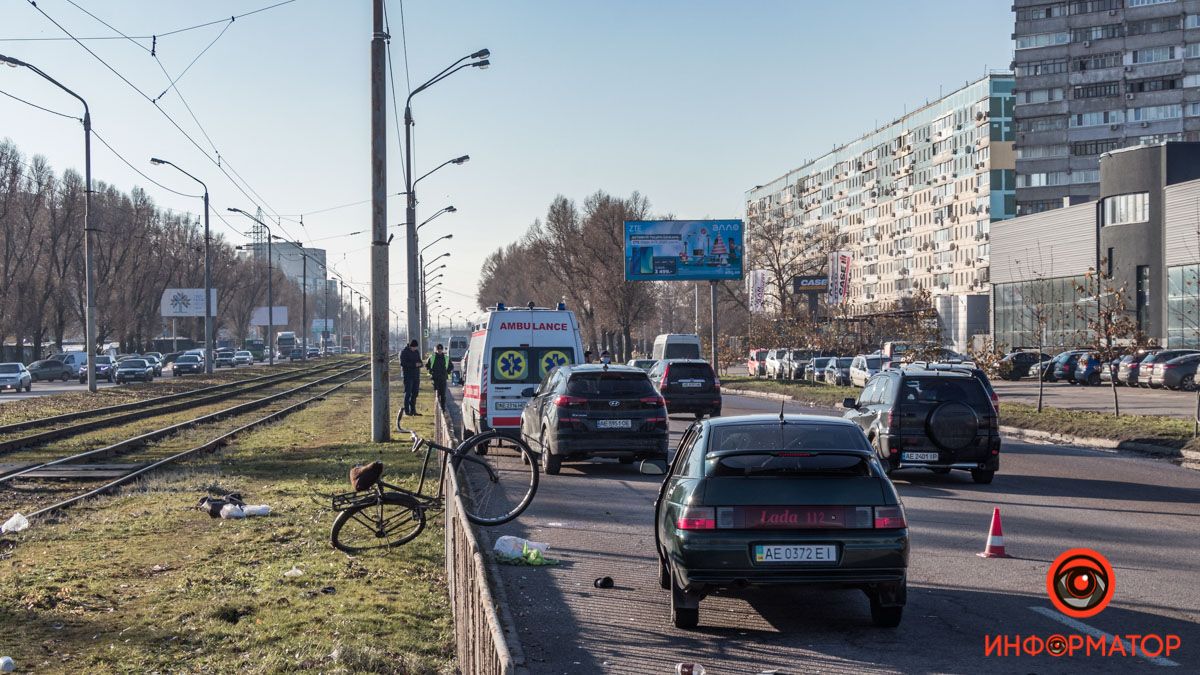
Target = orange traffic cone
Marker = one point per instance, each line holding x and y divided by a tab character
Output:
995	540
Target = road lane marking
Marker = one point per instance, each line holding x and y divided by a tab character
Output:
1095	632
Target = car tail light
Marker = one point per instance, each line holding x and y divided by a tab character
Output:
654	402
564	401
893	422
716	383
697	518
888	517
995	400
662	384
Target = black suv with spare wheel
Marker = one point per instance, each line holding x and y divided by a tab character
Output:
932	419
583	411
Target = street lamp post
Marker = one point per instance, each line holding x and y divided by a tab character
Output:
270	294
414	327
208	318
88	261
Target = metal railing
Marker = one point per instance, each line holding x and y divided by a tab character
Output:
484	635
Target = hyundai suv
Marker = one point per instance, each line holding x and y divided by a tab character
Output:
591	410
689	386
930	419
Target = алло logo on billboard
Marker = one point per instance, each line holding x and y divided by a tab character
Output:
1080	583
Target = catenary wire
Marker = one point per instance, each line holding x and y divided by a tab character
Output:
170	119
147	37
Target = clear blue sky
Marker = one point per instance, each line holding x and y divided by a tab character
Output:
690	103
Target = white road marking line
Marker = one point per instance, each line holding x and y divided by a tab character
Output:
1095	632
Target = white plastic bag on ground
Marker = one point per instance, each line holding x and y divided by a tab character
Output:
515	547
232	511
256	510
294	572
15	524
7	665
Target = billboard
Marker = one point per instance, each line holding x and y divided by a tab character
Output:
279	316
839	277
322	325
812	284
183	302
683	250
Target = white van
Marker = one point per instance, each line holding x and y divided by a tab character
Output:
511	351
676	346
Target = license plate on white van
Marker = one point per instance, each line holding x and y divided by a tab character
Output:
510	405
614	424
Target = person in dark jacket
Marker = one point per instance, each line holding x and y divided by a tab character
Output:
438	366
410	365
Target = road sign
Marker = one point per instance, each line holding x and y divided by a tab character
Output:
185	302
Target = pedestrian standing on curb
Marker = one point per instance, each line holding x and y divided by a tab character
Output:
410	365
438	366
587	356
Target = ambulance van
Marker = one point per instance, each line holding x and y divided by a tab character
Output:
511	352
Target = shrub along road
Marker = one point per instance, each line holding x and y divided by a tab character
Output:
1143	514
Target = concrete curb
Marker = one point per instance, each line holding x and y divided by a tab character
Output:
1018	432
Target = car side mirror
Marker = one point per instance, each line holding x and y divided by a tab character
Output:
850	403
529	391
652	467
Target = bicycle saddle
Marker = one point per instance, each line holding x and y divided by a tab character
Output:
364	476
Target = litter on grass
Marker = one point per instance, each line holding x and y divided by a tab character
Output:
15	524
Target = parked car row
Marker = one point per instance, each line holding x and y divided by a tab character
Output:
806	364
1150	367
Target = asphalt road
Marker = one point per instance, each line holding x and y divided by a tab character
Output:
1144	515
1134	400
73	385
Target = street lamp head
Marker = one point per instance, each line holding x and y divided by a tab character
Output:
482	65
157	161
461	160
235	210
482	54
449	236
451	209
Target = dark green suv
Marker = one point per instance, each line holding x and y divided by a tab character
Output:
787	500
934	419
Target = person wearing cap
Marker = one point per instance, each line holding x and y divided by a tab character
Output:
410	366
438	366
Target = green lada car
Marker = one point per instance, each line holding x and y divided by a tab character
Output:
786	500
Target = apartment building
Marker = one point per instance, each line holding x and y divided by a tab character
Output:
1093	76
913	204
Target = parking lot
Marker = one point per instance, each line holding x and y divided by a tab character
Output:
73	385
1134	400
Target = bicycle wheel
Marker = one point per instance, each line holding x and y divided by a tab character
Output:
394	521
496	487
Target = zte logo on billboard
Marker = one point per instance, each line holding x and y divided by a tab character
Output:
528	325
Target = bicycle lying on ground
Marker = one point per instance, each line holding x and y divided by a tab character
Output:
497	477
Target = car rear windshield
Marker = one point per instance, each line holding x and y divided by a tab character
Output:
874	363
943	390
610	384
823	361
802	437
844	363
689	371
681	350
760	356
9	368
791	464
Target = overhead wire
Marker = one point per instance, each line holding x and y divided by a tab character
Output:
29	103
216	162
147	37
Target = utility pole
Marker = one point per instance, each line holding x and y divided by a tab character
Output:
380	414
304	311
270	301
